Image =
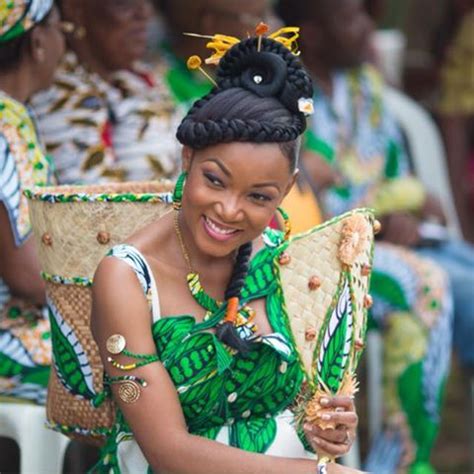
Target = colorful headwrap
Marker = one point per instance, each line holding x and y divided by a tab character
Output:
19	16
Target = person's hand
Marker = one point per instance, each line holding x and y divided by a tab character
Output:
432	210
321	173
338	441
401	228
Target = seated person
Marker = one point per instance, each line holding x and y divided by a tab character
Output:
107	117
354	154
31	46
456	112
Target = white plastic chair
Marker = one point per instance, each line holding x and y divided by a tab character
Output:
41	449
427	151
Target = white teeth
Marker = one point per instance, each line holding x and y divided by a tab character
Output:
218	229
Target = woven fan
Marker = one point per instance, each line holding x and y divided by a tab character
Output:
325	278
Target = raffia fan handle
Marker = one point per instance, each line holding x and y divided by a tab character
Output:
325	284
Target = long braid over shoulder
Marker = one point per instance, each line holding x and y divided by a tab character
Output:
258	100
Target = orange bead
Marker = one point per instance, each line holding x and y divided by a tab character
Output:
261	29
314	283
284	259
366	269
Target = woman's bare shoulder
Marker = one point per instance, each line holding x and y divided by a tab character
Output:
152	239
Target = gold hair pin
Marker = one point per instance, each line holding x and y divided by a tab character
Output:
194	62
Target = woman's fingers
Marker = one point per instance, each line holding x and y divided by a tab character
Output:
347	418
331	448
338	401
340	435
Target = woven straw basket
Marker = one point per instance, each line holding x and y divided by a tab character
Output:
74	227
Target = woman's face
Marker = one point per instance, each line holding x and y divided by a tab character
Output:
232	192
117	30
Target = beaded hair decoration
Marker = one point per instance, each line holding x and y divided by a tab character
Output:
268	66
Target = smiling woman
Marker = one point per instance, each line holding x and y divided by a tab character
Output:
214	364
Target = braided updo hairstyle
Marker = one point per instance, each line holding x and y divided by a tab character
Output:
256	100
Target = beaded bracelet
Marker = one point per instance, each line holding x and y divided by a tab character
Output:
322	468
116	345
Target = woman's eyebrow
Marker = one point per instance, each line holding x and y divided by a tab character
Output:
227	172
221	165
264	185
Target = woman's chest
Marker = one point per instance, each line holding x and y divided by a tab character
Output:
260	383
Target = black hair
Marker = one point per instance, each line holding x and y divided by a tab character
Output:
237	114
297	12
256	100
11	51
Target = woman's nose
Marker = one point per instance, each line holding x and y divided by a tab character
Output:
229	209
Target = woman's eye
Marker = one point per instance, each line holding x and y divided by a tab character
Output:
213	179
260	197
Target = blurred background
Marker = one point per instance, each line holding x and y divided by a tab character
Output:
424	53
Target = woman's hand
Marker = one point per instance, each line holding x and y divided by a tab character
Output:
334	441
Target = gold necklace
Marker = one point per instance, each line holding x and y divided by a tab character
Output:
210	304
184	251
194	284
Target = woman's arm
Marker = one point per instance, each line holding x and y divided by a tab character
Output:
156	419
19	266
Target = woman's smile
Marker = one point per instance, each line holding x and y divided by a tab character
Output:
219	231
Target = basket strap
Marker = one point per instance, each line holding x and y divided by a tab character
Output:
135	259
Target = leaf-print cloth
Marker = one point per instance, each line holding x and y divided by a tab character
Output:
247	404
101	131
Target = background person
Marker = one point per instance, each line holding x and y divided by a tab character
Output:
31	45
356	158
106	116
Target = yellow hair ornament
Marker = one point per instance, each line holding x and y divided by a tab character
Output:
194	62
289	42
222	43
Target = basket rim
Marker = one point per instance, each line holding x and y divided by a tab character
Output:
79	193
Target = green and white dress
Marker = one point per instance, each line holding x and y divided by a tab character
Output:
241	401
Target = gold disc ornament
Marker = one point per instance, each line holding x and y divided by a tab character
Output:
129	391
116	344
